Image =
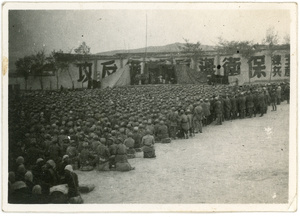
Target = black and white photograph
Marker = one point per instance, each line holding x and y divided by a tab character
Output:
149	107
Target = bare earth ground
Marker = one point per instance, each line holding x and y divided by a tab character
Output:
243	161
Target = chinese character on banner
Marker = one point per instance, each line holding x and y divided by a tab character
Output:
109	67
287	65
232	66
206	65
276	65
257	66
85	71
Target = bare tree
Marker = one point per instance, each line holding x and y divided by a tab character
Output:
194	49
82	49
23	66
271	40
286	39
39	61
245	48
59	65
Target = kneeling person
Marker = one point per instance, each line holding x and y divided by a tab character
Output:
148	145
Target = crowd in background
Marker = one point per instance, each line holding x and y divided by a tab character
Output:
53	133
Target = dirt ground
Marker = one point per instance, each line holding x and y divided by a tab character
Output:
243	161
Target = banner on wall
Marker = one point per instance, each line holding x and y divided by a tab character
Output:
120	78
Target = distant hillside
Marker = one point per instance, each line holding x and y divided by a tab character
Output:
175	47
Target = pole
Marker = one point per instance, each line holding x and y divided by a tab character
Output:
146	36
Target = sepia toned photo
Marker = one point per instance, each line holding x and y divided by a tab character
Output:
155	107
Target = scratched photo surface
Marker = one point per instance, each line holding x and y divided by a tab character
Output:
145	106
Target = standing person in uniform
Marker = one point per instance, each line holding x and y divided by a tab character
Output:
218	111
233	107
287	93
273	95
184	124
227	108
242	105
206	112
261	102
249	104
191	123
255	103
198	115
173	119
278	91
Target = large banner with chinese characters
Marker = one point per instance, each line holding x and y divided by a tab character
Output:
263	66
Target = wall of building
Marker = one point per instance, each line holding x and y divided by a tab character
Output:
255	69
99	68
261	67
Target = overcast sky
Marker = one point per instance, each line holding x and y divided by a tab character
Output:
104	30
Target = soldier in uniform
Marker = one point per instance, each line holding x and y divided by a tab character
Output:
173	119
227	106
218	111
198	116
242	105
233	107
148	145
261	102
249	104
163	134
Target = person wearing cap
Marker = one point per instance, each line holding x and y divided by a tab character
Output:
55	151
162	134
173	118
86	159
49	176
20	193
249	104
137	137
218	111
33	153
148	145
73	154
37	197
37	170
71	179
206	111
112	147
121	160
129	143
261	103
278	91
191	122
242	105
255	102
29	180
62	164
233	103
150	127
20	173
197	118
287	93
227	108
273	96
103	157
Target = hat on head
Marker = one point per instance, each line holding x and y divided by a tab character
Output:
20	160
69	168
51	163
18	185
